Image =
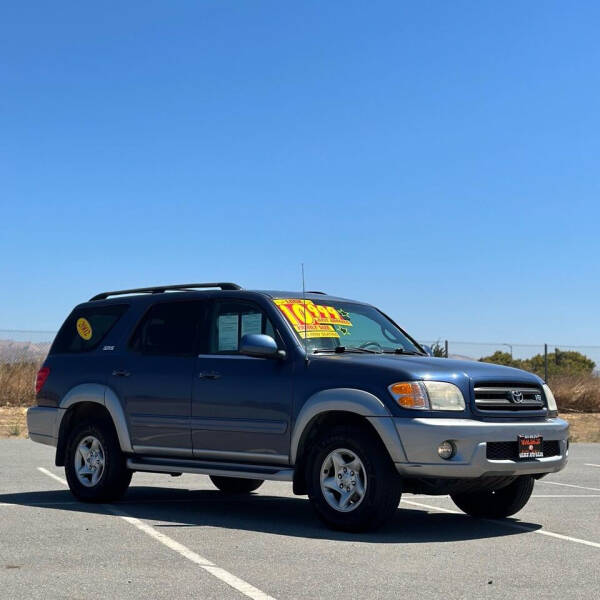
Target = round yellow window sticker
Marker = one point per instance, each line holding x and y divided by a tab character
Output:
84	329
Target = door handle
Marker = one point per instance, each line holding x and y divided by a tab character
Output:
211	375
121	373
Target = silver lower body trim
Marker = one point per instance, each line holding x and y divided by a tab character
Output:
241	471
43	423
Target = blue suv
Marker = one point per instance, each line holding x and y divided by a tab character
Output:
321	391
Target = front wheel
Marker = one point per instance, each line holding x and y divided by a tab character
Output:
352	482
496	504
95	466
236	485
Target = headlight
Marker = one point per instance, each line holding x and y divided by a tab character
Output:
427	395
550	399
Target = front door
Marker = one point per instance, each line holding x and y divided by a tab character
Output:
154	378
241	405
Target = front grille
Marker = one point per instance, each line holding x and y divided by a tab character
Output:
503	397
510	450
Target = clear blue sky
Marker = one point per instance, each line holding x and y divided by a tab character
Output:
438	159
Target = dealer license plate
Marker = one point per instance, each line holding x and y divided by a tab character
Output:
531	446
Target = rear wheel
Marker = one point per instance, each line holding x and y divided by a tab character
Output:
351	480
95	466
496	504
236	485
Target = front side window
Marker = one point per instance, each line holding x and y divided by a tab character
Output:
86	327
170	329
348	325
232	320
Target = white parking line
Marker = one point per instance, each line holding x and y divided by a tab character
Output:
235	582
512	524
581	487
37	503
50	474
565	496
424	496
591	465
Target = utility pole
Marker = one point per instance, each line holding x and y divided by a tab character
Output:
511	352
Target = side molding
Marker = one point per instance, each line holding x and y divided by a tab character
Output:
354	401
101	394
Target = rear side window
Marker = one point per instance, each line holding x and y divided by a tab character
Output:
170	329
85	328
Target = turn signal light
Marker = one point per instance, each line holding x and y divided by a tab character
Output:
410	394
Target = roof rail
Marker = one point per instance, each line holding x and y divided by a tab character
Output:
316	292
163	288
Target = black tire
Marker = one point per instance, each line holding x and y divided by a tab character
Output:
383	485
236	485
496	504
115	477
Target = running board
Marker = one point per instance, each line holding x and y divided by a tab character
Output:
243	471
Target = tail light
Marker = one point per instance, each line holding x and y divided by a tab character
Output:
40	379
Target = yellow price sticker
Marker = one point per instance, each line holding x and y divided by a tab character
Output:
84	329
309	319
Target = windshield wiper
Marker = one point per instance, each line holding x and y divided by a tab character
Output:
403	351
340	349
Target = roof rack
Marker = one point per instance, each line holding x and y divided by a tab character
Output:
163	288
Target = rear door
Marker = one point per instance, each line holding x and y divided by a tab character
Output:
154	377
241	405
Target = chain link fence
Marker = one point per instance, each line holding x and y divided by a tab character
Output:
547	356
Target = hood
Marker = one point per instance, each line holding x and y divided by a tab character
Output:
440	369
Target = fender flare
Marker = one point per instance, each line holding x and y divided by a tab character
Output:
105	396
354	401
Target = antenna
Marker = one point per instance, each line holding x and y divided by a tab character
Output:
304	307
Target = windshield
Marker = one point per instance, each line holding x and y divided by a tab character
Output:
344	326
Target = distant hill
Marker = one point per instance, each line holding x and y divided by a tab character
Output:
13	351
461	357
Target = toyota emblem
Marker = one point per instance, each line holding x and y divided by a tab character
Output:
517	397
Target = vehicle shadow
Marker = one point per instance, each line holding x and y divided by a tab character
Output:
280	515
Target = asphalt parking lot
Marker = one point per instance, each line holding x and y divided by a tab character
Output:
181	538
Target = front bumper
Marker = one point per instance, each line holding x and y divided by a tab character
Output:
421	437
43	423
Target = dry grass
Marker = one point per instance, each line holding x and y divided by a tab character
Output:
577	393
17	381
13	422
584	427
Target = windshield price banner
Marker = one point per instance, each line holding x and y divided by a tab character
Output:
316	320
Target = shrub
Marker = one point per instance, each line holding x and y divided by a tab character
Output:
438	349
565	364
503	358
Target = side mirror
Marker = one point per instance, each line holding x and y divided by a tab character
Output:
427	349
260	346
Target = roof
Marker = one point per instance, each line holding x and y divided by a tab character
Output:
199	289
